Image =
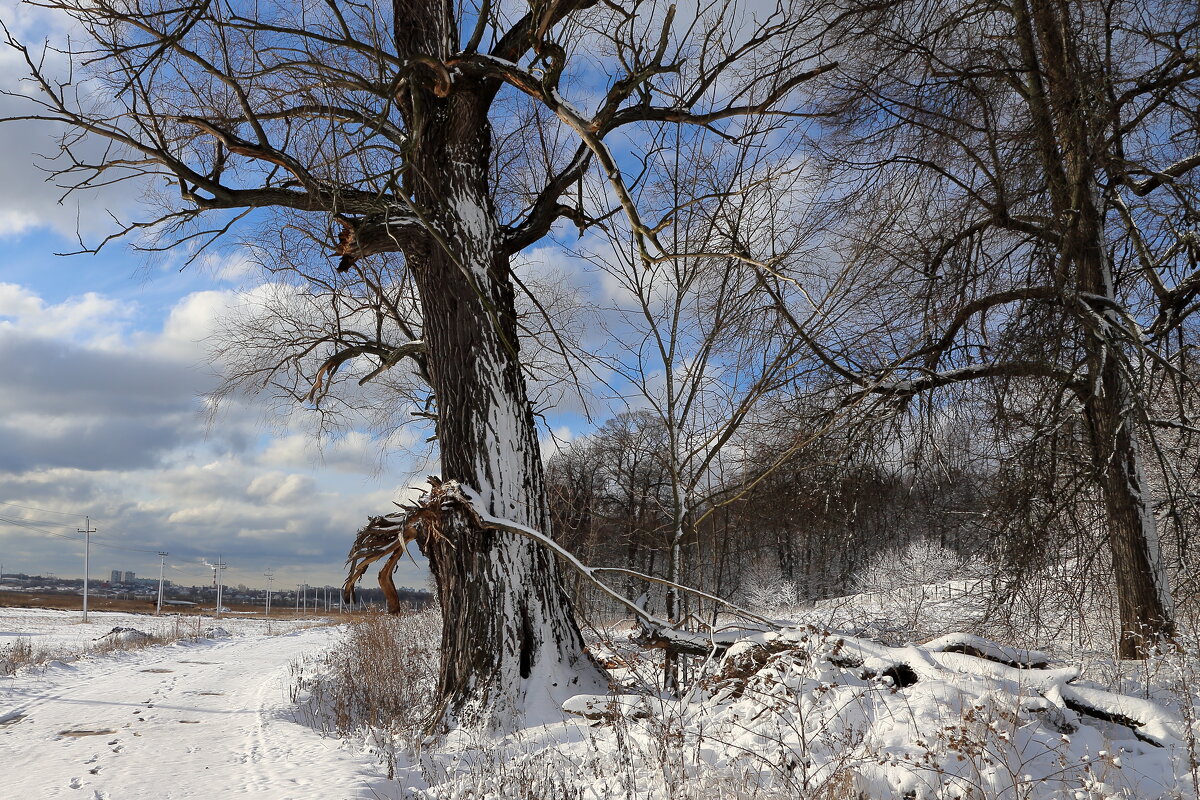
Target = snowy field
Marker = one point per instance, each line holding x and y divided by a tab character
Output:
267	710
64	632
198	718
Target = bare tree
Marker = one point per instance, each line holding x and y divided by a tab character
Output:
1026	173
374	126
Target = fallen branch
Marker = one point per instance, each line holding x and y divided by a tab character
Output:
389	535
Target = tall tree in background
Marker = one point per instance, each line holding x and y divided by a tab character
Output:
692	336
1027	172
372	129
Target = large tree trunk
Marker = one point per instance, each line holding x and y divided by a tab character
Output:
1143	597
1063	119
511	649
1142	594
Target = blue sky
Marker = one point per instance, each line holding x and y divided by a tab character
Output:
106	364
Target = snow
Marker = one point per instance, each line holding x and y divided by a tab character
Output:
202	718
795	714
64	631
798	712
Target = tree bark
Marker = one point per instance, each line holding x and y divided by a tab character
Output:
510	646
1070	167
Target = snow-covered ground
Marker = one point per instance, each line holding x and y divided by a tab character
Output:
199	718
802	713
64	632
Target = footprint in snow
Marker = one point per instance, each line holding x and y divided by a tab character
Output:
75	783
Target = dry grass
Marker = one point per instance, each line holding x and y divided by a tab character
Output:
20	653
23	653
377	682
72	601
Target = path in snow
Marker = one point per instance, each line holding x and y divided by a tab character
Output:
197	720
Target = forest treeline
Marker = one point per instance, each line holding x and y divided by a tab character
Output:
895	506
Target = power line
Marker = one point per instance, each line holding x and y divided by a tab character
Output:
31	526
43	510
124	547
24	524
44	523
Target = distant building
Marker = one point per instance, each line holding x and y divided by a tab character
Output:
129	576
115	577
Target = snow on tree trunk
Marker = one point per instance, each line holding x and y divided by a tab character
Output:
1143	596
1142	592
510	645
1050	45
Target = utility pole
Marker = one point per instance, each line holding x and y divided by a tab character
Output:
162	565
298	599
87	532
219	568
270	575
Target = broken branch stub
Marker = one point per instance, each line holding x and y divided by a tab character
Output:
426	518
387	537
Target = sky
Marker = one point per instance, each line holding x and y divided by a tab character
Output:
102	413
106	364
104	368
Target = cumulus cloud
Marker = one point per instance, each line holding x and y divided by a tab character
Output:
99	419
89	318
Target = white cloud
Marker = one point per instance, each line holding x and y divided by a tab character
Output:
98	419
90	318
191	322
234	267
278	488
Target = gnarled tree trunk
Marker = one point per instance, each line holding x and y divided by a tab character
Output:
510	645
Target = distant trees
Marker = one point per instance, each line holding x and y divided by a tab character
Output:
810	521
